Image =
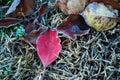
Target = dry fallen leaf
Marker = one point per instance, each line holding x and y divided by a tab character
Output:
73	26
100	17
20	8
115	4
71	6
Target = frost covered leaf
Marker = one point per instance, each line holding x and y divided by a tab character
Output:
5	23
20	8
72	6
100	17
48	46
73	26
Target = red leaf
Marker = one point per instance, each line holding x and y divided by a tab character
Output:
113	3
5	23
75	25
48	46
20	8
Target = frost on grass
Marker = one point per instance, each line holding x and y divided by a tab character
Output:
93	56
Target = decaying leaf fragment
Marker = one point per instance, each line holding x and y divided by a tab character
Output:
100	17
43	10
31	34
5	23
48	46
72	6
73	26
20	8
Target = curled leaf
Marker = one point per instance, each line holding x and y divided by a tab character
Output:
5	23
100	17
48	46
72	6
73	26
20	8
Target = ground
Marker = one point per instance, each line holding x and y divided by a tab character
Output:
92	56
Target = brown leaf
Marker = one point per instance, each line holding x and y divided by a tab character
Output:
75	25
113	3
29	27
20	8
31	34
5	23
43	10
32	37
72	6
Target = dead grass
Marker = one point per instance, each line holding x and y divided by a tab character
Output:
95	56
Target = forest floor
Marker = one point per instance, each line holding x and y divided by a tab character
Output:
92	56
